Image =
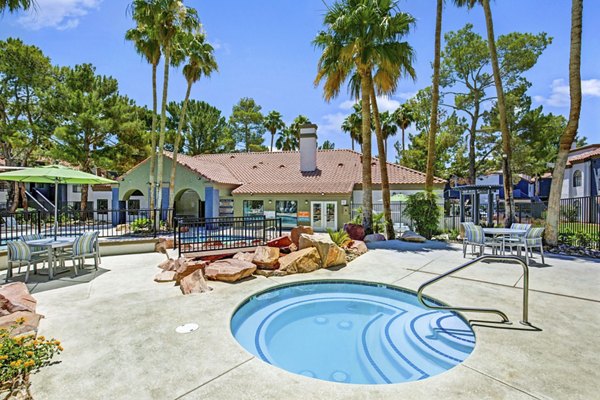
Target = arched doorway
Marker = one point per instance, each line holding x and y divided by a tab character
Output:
188	203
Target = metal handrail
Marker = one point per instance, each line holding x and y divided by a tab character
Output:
482	310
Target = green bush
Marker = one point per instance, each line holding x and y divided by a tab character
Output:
378	220
423	209
140	225
569	213
340	237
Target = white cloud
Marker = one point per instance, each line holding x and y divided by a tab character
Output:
385	103
406	95
331	124
559	96
58	14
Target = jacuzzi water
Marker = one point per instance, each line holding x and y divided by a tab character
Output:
351	332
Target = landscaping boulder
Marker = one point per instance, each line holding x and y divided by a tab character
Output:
213	257
355	231
374	237
289	249
358	247
244	256
171	264
165	276
297	231
269	272
194	283
187	268
266	257
229	270
32	321
410	236
282	241
329	252
305	260
15	297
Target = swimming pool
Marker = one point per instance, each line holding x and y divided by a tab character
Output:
351	332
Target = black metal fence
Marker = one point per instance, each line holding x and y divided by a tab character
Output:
579	222
399	218
110	223
204	235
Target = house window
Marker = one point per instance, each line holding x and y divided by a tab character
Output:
287	210
133	206
254	208
577	178
76	188
102	206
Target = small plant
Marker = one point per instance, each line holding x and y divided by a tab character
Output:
379	223
569	213
140	225
423	209
340	237
21	356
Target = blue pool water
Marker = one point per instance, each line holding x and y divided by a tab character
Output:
351	332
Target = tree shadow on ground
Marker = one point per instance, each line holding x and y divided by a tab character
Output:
402	246
39	282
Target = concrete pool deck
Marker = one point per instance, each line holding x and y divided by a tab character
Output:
118	330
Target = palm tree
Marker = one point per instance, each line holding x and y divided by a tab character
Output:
168	18
273	123
287	140
200	62
509	202
403	117
352	43
297	123
146	44
568	136
388	127
15	5
353	125
435	96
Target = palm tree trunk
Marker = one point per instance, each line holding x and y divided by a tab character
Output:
509	201
435	97
176	145
385	182
472	141
163	120
568	136
367	185
153	140
352	141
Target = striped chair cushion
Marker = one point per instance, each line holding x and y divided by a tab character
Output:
33	236
534	234
522	227
85	244
18	251
473	233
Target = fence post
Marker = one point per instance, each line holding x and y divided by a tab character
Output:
155	223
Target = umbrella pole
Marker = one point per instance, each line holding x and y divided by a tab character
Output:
55	209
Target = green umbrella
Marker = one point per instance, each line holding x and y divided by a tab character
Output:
399	197
55	174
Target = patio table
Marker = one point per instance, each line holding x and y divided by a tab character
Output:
503	233
52	246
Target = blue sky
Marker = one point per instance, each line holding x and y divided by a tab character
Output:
264	51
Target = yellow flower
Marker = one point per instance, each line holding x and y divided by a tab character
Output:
60	348
41	338
29	363
57	342
29	353
3	358
20	321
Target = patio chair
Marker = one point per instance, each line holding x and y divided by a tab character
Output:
514	240
85	246
38	250
475	237
533	238
19	254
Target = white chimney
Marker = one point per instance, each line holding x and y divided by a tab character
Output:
308	147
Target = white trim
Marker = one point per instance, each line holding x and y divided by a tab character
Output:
323	226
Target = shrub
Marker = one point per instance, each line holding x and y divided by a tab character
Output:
379	223
423	209
569	213
340	237
21	356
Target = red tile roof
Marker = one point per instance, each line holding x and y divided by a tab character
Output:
593	152
279	172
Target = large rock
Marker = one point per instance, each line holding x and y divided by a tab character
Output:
297	231
15	297
374	237
194	283
165	276
244	256
171	264
266	257
229	270
188	267
32	320
355	231
329	252
282	241
410	236
358	247
306	260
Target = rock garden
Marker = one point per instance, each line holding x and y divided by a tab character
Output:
301	251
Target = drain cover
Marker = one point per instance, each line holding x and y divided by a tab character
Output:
186	328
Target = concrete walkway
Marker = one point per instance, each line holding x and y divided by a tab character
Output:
118	331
